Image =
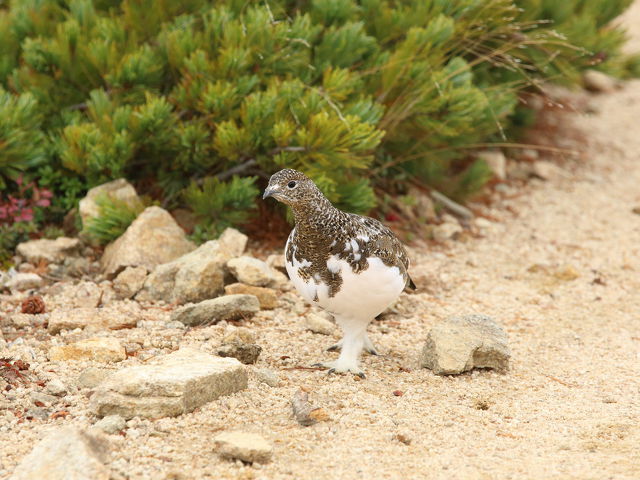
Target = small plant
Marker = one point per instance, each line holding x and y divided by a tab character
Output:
219	205
113	219
22	206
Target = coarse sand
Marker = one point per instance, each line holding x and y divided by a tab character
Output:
559	268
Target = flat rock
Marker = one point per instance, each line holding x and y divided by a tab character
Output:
267	297
98	318
248	447
459	344
319	324
130	281
251	271
229	307
101	349
24	281
119	190
65	454
50	251
169	385
92	377
152	239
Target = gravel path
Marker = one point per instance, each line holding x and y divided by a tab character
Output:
560	269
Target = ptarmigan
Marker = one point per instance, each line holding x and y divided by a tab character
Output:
351	266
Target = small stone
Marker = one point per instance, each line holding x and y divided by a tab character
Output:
483	223
130	281
119	190
99	318
233	241
92	377
229	307
111	424
247	353
239	335
496	161
65	454
318	324
101	349
266	296
598	82
56	387
86	295
24	281
302	409
547	170
271	378
403	438
50	251
276	262
447	230
152	239
43	398
37	413
248	447
459	344
168	385
251	271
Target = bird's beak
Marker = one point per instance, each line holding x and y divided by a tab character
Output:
269	192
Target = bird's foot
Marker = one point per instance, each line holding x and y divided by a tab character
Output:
341	367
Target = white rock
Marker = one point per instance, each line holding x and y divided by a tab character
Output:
119	189
65	454
319	324
92	377
101	349
248	447
50	251
152	239
233	241
229	307
459	344
169	385
24	281
251	271
56	387
446	230
269	377
496	161
598	82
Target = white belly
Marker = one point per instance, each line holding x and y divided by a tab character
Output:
361	295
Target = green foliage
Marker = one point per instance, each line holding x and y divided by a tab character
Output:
173	94
114	217
219	205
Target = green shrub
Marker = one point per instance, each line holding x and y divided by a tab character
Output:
352	92
114	217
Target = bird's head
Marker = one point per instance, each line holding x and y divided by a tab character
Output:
292	188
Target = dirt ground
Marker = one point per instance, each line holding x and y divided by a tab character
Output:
559	269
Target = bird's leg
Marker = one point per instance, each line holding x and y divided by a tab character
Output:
351	346
369	347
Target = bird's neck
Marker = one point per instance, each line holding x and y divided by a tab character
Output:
316	215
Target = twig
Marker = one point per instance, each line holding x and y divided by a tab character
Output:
454	207
235	170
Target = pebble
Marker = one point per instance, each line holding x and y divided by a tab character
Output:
24	281
212	311
248	447
130	281
91	377
56	387
247	353
597	81
43	398
111	424
267	376
496	161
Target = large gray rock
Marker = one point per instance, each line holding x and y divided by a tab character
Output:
50	251
248	447
169	385
97	318
196	276
152	239
459	344
229	307
65	454
119	190
251	271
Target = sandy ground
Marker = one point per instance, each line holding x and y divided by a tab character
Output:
560	270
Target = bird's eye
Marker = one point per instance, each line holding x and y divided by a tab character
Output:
291	184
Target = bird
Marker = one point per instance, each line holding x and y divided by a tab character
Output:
349	265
